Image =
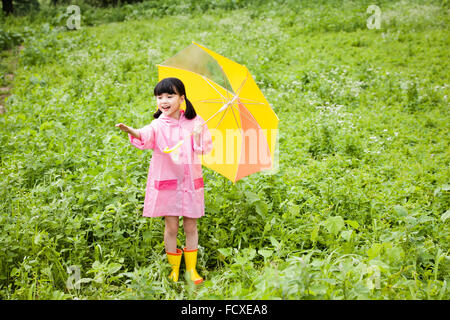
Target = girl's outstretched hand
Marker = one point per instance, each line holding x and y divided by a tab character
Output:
123	127
128	129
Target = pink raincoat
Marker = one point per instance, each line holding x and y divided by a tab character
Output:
175	180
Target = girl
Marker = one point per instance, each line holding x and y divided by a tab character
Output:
175	182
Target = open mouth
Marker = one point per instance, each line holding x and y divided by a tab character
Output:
165	108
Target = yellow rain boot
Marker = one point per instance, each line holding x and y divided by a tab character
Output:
174	260
190	258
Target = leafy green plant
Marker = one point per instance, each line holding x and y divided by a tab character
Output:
9	39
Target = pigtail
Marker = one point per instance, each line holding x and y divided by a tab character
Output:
190	111
157	114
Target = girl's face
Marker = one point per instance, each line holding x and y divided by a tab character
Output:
169	104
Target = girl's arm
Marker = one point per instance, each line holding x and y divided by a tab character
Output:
143	138
129	130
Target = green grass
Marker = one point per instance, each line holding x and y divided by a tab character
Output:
359	208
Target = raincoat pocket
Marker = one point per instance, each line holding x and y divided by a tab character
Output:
166	184
198	183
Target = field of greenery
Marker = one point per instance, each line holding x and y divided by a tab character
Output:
358	208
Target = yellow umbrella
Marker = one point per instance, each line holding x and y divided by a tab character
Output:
241	121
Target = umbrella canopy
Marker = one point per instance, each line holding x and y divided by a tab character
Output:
242	123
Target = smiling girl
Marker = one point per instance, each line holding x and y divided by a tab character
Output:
175	180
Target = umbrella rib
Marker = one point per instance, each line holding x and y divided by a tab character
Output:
252	120
209	101
225	106
224	98
235	118
254	101
223	116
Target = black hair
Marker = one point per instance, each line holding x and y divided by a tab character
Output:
174	86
